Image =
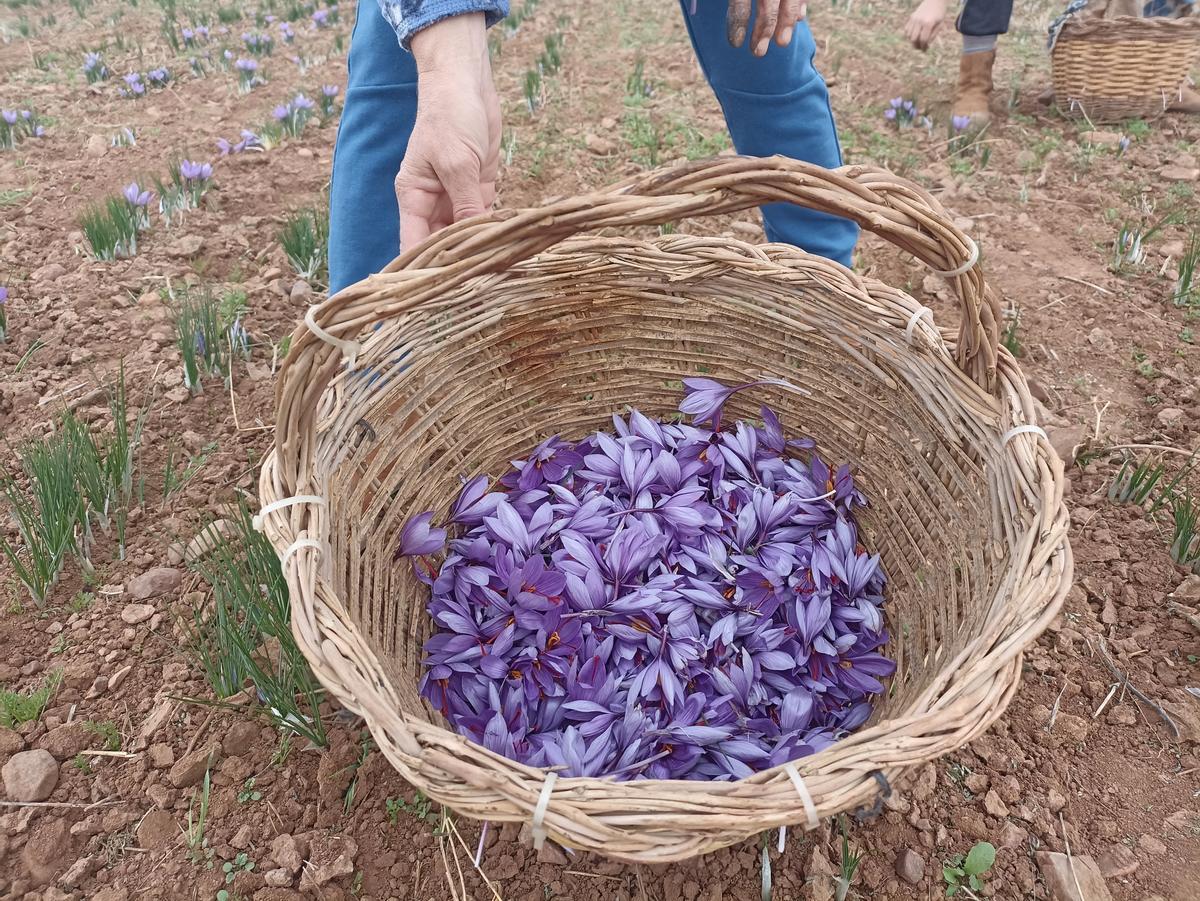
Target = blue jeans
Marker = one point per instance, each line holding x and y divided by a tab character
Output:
777	104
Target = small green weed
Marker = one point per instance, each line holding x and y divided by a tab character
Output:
107	732
18	707
248	792
961	872
1011	337
421	808
240	864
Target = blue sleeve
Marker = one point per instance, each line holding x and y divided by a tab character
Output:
408	17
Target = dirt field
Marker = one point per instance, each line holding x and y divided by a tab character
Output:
1072	765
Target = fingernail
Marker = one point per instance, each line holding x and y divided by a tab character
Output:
786	37
738	36
760	49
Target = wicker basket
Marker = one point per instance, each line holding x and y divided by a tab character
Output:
1107	70
502	330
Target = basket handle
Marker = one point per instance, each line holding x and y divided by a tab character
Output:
880	202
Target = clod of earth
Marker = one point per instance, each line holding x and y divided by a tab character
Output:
1061	873
153	583
30	775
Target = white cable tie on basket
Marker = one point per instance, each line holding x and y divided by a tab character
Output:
802	790
1023	430
912	322
296	545
349	349
965	267
539	812
257	521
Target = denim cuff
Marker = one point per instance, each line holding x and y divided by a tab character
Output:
408	17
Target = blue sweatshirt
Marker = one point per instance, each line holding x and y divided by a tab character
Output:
410	16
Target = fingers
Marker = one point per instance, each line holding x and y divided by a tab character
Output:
416	211
736	21
764	26
460	176
790	12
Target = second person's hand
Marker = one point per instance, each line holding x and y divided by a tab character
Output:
776	19
450	167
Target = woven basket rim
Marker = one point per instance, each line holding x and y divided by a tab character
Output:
1129	28
971	690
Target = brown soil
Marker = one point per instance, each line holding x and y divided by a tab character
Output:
1111	356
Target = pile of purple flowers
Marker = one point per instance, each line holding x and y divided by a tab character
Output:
16	125
668	601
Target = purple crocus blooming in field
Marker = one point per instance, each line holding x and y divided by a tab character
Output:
247	65
320	18
136	195
329	90
9	116
192	171
960	123
301	102
661	601
280	112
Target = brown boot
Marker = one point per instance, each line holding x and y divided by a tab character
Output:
1188	101
974	87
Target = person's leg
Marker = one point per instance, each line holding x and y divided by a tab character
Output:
775	105
979	23
377	120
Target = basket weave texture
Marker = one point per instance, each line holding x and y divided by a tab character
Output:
503	330
1107	70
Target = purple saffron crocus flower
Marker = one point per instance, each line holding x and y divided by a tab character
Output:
960	123
280	112
329	90
301	102
9	116
247	65
705	398
418	539
136	195
193	171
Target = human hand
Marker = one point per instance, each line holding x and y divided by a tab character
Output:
776	18
449	170
925	22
